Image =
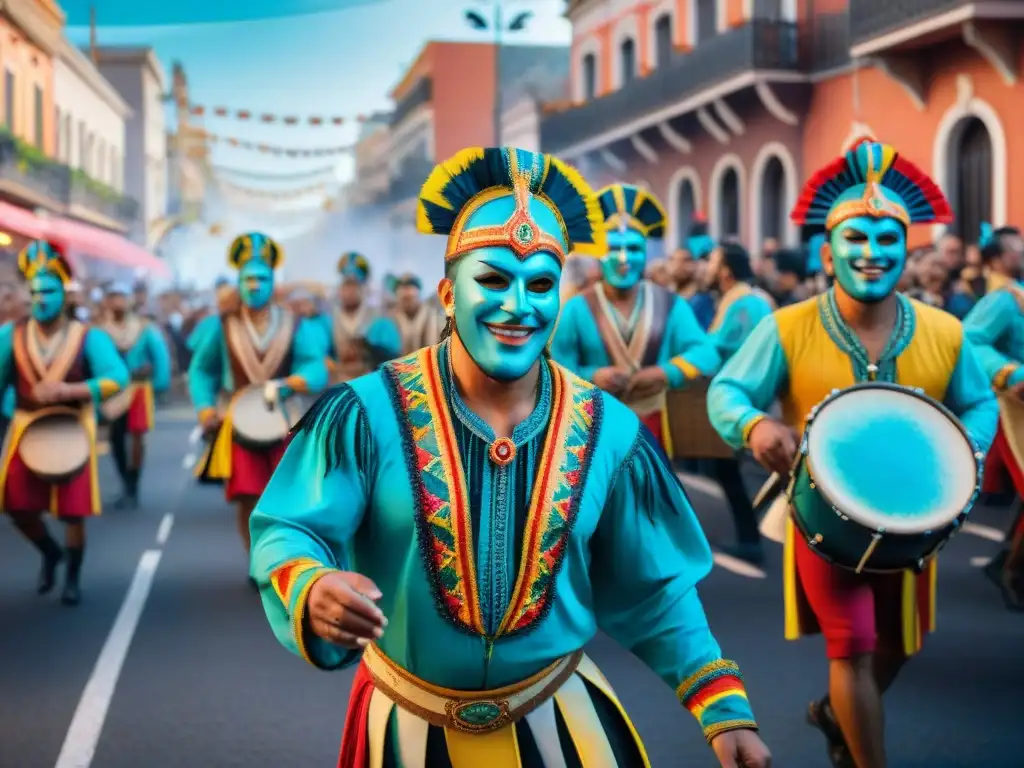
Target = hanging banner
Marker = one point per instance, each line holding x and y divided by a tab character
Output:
273	118
326	170
271	149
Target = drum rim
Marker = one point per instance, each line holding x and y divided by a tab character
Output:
919	394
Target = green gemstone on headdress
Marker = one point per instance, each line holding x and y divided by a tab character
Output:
478	713
524	233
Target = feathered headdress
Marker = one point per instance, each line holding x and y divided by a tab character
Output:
625	206
458	187
986	236
871	179
42	256
408	280
255	246
354	265
698	240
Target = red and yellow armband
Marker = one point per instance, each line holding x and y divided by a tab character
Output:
715	695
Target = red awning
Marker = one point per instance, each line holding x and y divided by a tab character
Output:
81	239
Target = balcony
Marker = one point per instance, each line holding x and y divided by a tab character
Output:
877	26
36	181
757	46
419	94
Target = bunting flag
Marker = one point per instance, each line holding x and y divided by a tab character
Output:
326	170
271	149
271	118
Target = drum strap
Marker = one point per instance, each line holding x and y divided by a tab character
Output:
413	329
348	327
33	365
259	368
633	355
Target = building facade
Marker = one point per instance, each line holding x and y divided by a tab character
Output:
139	78
724	106
30	36
372	170
547	82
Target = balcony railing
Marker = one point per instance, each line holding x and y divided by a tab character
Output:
873	18
828	45
408	180
59	185
758	45
421	93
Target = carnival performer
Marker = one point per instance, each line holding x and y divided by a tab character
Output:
390	529
996	328
418	324
860	330
260	343
354	325
630	337
59	367
144	350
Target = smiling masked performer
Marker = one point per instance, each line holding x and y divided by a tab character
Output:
259	343
131	413
498	511
61	371
860	330
627	335
354	326
419	325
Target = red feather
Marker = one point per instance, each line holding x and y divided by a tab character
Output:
943	213
813	186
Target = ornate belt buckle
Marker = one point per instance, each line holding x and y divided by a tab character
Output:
478	716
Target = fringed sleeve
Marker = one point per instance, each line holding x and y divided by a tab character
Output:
649	553
310	510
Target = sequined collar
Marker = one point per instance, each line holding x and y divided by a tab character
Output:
846	339
524	431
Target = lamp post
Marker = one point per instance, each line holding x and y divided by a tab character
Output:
498	26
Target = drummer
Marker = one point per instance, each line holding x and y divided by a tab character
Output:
628	336
145	352
419	324
256	343
53	360
860	330
353	324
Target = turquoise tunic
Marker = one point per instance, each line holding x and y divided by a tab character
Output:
491	574
151	349
684	352
380	332
210	373
735	321
995	327
207	325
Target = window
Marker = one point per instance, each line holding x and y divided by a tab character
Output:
39	117
589	76
9	102
627	57
83	147
663	39
58	121
101	161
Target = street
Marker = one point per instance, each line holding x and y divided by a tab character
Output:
169	662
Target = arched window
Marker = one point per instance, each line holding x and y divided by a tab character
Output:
773	201
663	40
627	60
686	208
729	204
589	75
970	175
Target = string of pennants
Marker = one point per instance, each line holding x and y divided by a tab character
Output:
272	149
276	194
270	118
240	173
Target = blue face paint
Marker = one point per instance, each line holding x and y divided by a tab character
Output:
868	256
256	284
623	266
47	297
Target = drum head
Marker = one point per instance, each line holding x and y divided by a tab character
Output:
54	446
890	459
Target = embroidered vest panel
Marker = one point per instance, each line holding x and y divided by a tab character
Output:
239	375
26	376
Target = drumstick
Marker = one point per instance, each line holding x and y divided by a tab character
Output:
271	395
772	488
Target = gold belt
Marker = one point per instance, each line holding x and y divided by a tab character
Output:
467	711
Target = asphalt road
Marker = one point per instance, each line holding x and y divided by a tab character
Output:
203	683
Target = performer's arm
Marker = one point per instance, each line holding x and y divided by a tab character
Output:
307	515
7	364
309	359
987	325
970	397
649	553
566	344
206	326
205	371
690	353
748	384
739	321
383	334
159	357
109	373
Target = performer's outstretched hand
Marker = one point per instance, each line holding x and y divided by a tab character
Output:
773	445
611	379
341	609
647	382
741	749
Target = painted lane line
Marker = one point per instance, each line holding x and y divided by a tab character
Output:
737	566
701	484
980	562
164	531
984	532
87	724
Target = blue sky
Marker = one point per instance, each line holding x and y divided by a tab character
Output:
333	63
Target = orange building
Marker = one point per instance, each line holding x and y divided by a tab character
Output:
29	35
725	106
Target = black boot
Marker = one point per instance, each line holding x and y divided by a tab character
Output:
72	595
821	716
52	556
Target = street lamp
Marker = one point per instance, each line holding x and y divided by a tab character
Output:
498	25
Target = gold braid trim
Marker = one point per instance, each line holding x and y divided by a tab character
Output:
728	725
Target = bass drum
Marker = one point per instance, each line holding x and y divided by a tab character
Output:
693	437
257	426
885	477
55	447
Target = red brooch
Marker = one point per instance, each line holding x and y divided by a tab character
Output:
503	451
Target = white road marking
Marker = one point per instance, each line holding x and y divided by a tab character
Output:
984	532
701	484
165	529
737	566
87	724
980	562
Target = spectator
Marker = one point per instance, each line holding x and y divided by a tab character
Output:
790	274
686	275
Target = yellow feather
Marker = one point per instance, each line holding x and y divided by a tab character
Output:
599	246
433	188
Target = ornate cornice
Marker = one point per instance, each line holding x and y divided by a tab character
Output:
42	21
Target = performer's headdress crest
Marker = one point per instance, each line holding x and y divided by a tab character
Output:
871	179
44	257
986	236
255	246
408	280
458	187
698	240
354	265
625	206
